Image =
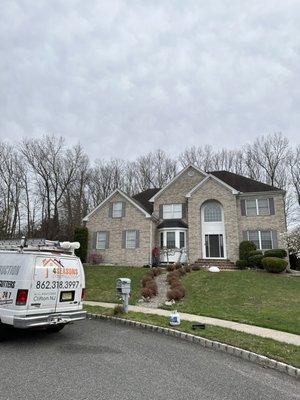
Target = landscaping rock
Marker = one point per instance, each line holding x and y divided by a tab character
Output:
214	269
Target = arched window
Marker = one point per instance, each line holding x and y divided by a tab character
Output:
212	212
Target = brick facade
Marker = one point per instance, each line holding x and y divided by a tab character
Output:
211	189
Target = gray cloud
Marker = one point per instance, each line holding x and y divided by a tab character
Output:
125	77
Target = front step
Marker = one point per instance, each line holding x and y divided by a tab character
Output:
222	264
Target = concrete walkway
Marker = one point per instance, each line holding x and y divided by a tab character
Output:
252	329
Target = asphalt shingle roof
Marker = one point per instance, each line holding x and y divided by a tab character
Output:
143	199
172	223
242	183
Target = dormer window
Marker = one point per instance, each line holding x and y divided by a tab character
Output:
172	211
117	209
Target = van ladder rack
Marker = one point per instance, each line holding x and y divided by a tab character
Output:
24	244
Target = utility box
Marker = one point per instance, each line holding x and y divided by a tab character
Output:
123	286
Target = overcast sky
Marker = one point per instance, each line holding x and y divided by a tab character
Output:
126	77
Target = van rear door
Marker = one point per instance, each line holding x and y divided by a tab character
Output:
70	275
45	284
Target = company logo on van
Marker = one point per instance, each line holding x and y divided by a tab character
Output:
58	269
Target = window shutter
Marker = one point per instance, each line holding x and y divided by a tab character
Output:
243	206
245	235
94	241
110	210
137	239
124	240
183	211
123	208
271	206
161	211
107	240
274	239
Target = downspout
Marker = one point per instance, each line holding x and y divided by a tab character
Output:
151	245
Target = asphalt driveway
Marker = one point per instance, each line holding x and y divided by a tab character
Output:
100	360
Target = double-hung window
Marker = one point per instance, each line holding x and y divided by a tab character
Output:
263	240
172	211
131	239
102	240
257	207
117	209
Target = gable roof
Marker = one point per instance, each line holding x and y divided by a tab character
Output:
175	178
142	198
210	176
128	198
242	183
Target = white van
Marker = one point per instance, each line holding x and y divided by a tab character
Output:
41	284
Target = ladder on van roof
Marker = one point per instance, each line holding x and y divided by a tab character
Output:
38	245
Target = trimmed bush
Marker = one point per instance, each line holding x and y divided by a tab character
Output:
175	294
152	286
157	271
187	269
171	267
280	253
81	234
274	264
196	267
146	292
146	279
255	253
256	261
241	264
245	248
96	258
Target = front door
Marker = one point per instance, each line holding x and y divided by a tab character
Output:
214	247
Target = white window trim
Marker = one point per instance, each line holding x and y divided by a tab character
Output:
172	205
259	238
257	208
177	236
97	242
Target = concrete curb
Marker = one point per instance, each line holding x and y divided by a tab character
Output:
226	348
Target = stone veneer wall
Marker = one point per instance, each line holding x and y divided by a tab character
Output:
212	190
133	219
176	192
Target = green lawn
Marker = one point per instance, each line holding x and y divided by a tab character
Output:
252	297
101	282
271	348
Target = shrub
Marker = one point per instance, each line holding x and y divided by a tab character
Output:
177	266
81	234
181	272
171	267
241	264
157	271
255	253
146	292
196	267
96	258
274	264
146	279
187	269
295	262
175	294
280	253
244	249
118	309
152	286
256	261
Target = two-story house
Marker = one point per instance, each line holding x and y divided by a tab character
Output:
206	213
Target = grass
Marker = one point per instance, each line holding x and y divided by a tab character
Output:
283	352
248	296
101	282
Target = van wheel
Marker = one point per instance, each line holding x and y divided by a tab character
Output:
55	328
